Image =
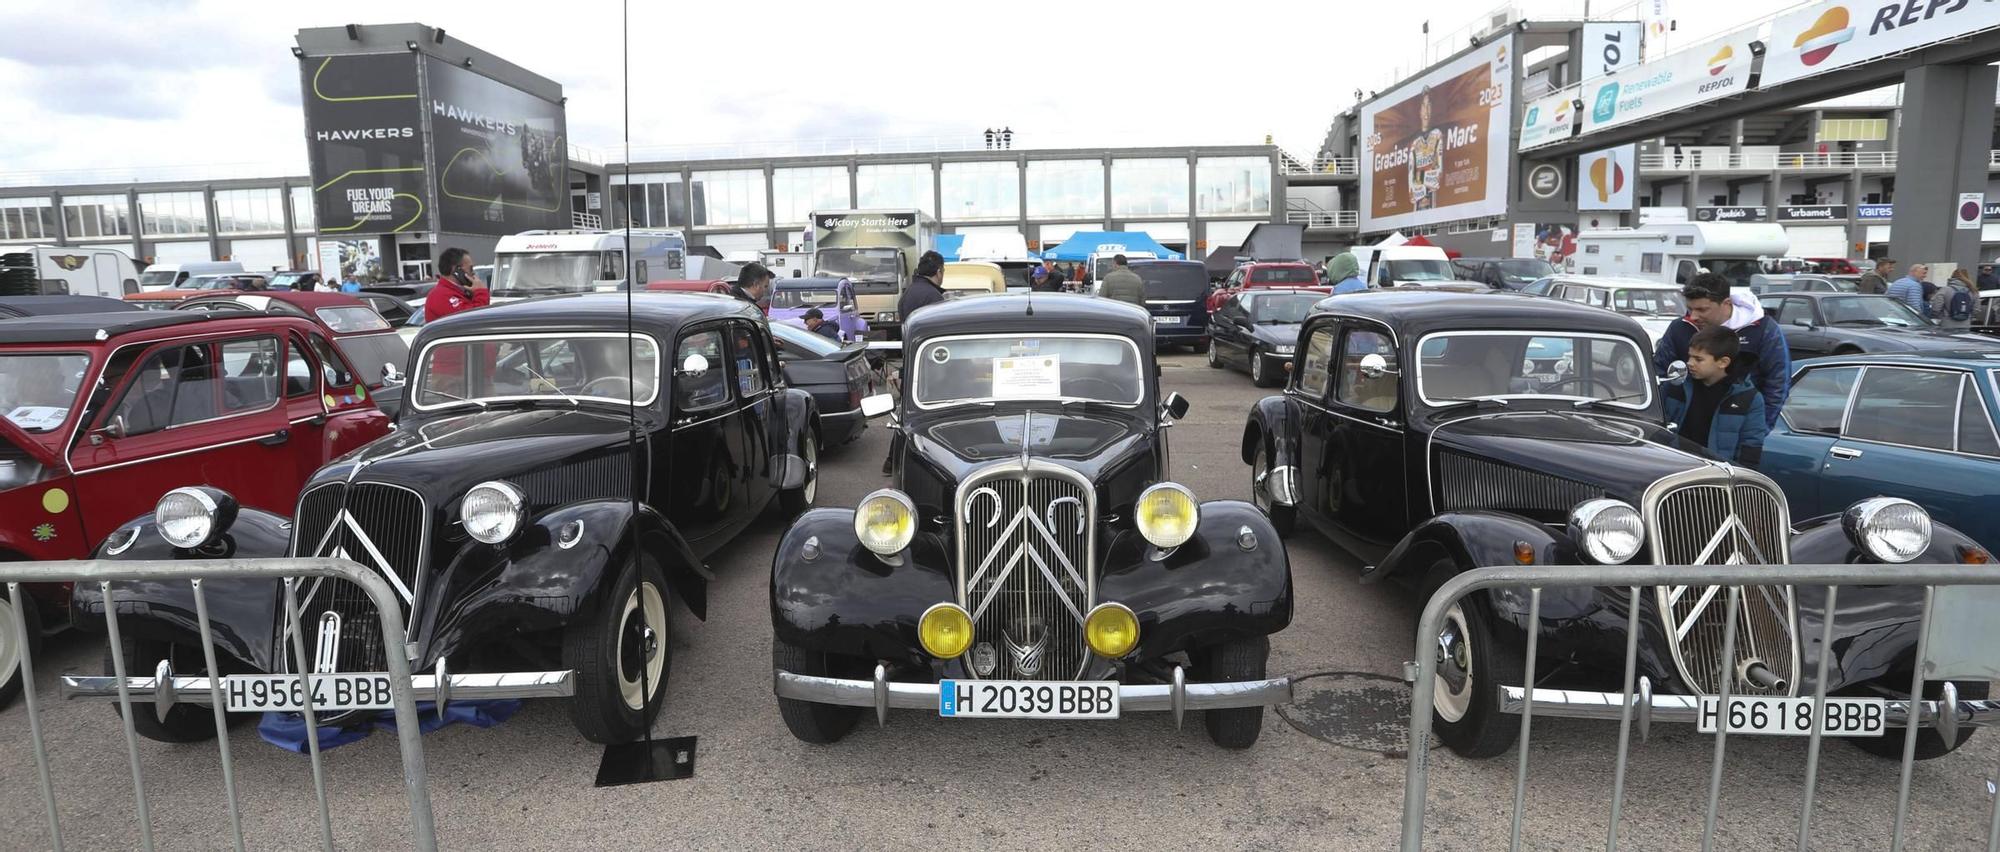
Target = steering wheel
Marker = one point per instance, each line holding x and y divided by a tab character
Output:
611	383
1075	387
1578	380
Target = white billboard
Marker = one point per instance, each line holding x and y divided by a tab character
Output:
1604	178
1609	46
1653	18
1717	69
1548	120
1435	149
1826	36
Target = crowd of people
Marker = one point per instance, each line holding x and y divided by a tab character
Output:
1950	304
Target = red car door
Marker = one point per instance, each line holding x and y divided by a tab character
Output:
203	412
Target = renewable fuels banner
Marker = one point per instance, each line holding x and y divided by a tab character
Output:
364	143
1710	71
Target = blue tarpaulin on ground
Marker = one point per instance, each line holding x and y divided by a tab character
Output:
1082	244
288	730
949	244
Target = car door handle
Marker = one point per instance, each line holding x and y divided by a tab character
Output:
276	438
1845	453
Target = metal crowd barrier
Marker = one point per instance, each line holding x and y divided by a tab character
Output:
1637	699
164	689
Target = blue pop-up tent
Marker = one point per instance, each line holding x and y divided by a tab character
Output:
949	244
1082	244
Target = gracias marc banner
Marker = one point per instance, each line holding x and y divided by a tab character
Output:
1436	148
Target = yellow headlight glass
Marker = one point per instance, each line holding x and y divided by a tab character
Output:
1166	515
945	630
1111	630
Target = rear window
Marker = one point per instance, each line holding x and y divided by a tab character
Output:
1178	281
1282	275
369	352
353	318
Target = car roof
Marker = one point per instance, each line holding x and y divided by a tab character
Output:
1615	281
1968	357
1260	292
54	305
94	328
655	313
1824	294
1160	261
1003	313
1415	312
806	282
305	300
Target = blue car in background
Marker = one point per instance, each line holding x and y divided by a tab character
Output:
1916	426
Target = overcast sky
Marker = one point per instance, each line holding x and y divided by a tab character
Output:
152	83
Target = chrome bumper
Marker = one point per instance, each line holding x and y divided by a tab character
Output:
165	689
1177	697
1648	707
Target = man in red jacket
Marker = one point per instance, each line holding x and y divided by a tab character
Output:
457	288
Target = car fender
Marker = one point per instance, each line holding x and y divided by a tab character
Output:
243	614
1209	590
1271	421
831	595
793	415
347	431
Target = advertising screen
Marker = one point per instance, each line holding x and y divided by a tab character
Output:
1825	36
1549	120
501	154
364	143
1436	148
1717	69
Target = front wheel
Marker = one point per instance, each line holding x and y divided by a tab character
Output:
1260	372
1283	518
794	501
1471	668
1234	662
13	616
811	722
620	655
1214	357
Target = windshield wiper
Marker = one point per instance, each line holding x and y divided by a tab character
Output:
1477	402
1583	403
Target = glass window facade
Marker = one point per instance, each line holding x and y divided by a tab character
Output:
656	200
980	190
895	186
250	211
796	193
304	218
1149	187
91	216
1066	189
731	198
1232	186
172	213
27	219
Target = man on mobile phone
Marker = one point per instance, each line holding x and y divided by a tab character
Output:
457	288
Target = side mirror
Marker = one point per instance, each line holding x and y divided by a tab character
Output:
694	365
1676	371
1176	405
391	377
1802	322
117	428
877	405
1374	366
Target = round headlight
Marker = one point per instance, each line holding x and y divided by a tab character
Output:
1111	630
1609	531
885	522
492	511
1888	529
1167	514
192	517
945	630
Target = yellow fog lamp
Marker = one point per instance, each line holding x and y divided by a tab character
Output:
1111	630
945	630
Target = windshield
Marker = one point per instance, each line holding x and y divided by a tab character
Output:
1523	271
802	341
1283	309
1455	366
286	280
354	318
1420	270
1737	270
873	264
158	277
557	367
801	297
36	390
545	273
1173	281
1649	302
1042	367
1875	310
1282	275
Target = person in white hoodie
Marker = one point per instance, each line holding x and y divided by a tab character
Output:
1766	359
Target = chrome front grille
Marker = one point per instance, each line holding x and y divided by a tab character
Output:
1713	520
1468	483
1025	570
378	525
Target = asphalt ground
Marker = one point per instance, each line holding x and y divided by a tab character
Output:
1328	773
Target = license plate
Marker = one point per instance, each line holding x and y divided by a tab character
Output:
1793	717
1028	699
1166	320
284	693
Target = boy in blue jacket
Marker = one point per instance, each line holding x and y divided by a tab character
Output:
1714	408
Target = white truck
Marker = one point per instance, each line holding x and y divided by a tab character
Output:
875	250
547	263
786	264
1675	252
68	270
1009	251
1406	266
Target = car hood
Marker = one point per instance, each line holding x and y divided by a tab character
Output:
1109	450
1620	456
441	458
1281	334
1910	339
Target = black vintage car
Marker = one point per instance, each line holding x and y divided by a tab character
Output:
538	507
838	376
1033	558
1256	330
1433	433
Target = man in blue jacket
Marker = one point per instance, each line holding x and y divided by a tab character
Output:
1715	406
1763	356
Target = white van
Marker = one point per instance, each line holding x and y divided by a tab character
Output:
547	263
172	276
1405	266
75	270
1675	252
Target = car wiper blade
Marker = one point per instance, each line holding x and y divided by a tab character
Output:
1586	403
1477	402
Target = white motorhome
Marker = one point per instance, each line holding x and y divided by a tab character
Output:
1675	252
75	271
546	263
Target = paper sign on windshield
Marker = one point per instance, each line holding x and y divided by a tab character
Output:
1037	377
40	417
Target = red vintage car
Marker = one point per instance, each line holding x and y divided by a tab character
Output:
364	337
1251	275
101	414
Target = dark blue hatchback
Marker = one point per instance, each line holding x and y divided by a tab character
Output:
1177	297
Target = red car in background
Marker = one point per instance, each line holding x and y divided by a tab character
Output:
365	338
1291	275
1833	266
198	285
102	413
706	286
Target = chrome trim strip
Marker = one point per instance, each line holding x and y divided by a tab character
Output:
1641	405
1148	697
422	362
195	690
175	454
1584	704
